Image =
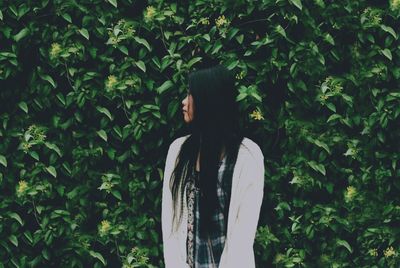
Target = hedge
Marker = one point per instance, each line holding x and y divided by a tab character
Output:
90	101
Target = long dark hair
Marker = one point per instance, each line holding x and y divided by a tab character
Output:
215	125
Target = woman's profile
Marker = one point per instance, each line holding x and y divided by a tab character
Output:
213	180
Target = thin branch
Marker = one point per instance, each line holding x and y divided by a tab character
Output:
116	245
123	105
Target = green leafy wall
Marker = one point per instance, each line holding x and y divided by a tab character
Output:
90	100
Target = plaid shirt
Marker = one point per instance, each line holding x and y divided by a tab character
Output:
199	254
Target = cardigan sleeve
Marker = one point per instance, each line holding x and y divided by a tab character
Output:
239	252
172	257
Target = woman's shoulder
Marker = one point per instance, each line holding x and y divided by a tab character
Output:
178	142
251	148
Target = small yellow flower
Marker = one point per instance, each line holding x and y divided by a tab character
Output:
105	227
150	12
55	49
257	115
395	4
26	146
111	81
240	75
351	192
221	21
373	252
389	252
22	186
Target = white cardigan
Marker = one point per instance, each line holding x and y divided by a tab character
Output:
244	209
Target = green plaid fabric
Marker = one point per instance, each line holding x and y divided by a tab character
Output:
198	250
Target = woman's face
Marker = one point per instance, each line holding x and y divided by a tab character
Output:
187	108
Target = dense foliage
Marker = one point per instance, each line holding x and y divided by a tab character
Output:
90	100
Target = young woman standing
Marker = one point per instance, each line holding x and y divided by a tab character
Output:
213	181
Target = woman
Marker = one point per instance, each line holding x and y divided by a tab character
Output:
213	181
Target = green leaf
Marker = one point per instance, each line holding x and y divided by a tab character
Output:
97	256
297	3
387	53
117	194
113	2
84	33
141	65
48	78
1	15
3	160
317	167
13	240
53	147
390	30
23	106
279	29
34	155
344	244
166	85
193	61
52	171
16	217
67	17
143	42
124	50
105	111
102	134
322	145
21	34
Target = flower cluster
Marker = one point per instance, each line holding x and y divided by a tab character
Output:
395	4
55	50
111	81
389	252
105	227
221	22
257	115
240	75
371	17
22	187
33	135
121	31
351	192
150	13
373	252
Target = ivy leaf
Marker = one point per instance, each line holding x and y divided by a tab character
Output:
102	134
52	171
297	3
84	33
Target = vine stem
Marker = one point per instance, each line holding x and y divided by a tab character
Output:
34	212
116	246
